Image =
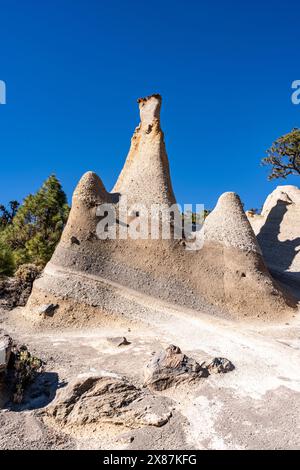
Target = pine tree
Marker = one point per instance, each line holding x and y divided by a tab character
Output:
7	215
284	156
37	226
7	264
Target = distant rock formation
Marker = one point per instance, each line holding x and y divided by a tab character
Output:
278	232
227	274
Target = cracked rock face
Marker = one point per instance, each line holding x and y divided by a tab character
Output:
106	399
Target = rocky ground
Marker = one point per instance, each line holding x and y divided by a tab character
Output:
254	406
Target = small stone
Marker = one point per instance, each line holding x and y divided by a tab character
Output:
220	365
125	439
119	341
47	309
74	241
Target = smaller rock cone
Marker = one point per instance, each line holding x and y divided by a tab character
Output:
245	284
89	193
227	224
90	190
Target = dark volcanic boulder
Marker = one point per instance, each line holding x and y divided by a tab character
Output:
220	365
170	367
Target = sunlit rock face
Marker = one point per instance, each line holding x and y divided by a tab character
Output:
145	178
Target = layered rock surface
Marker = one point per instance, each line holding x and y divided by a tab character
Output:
228	271
106	399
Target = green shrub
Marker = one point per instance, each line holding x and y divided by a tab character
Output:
25	369
27	272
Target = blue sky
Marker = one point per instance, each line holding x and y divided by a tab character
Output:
74	70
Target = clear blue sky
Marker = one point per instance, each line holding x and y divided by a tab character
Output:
74	69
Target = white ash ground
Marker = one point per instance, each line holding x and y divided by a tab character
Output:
256	406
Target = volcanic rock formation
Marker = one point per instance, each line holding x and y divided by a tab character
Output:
226	274
145	178
171	367
278	232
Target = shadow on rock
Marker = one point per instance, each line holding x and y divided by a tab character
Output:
39	393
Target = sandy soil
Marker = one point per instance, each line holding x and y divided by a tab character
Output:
257	406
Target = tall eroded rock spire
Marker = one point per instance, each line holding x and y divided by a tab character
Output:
145	178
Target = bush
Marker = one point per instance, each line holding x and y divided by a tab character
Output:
25	369
27	272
